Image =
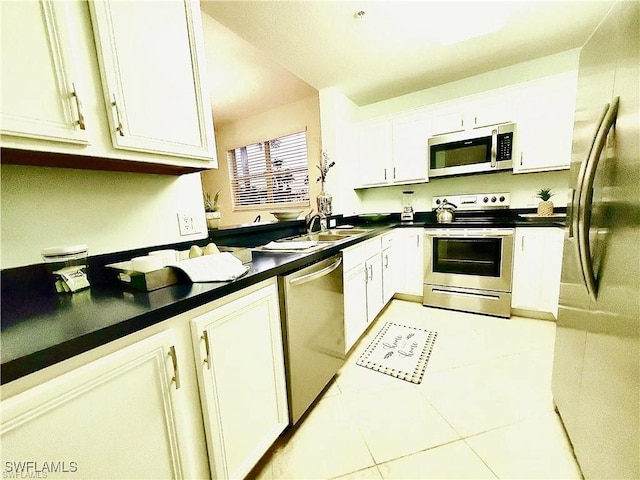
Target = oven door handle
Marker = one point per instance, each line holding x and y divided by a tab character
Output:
456	235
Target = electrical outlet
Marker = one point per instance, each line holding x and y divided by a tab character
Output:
187	224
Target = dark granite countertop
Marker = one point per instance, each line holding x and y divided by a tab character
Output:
41	328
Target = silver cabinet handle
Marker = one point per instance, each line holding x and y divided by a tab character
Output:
385	173
494	147
74	94
366	275
586	199
176	372
119	126
371	272
386	261
521	155
207	360
320	273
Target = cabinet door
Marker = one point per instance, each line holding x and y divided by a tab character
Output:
448	120
537	262
544	113
116	417
41	93
412	261
375	153
410	148
355	304
492	111
240	367
389	275
528	259
151	62
374	286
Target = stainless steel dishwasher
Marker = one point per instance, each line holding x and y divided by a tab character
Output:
312	310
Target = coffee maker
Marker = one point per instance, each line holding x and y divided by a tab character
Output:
407	206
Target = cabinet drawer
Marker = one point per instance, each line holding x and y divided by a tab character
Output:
387	240
357	254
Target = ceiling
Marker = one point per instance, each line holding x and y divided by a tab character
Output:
263	54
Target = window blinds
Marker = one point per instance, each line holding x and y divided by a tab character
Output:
275	172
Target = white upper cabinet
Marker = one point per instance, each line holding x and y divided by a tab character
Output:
150	56
496	109
410	148
472	112
394	150
374	140
448	120
40	89
135	99
544	111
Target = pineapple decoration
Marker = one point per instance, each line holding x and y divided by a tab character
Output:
545	206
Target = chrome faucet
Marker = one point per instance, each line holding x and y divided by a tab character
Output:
310	219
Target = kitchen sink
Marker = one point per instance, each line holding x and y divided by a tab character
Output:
328	236
349	232
314	237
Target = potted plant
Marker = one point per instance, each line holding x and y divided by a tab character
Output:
211	209
545	206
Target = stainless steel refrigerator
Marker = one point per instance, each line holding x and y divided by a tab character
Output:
596	370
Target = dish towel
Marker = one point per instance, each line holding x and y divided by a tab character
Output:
219	267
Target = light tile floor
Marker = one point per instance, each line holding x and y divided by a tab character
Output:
483	410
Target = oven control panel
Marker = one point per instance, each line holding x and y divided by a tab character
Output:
474	201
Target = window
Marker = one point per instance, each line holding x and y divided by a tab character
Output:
271	173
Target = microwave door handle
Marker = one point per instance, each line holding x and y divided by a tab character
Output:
494	147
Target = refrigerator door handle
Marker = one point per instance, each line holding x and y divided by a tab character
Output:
586	198
574	206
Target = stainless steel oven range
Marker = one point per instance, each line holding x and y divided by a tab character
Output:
468	262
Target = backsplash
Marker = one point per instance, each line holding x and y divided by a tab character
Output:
522	187
108	211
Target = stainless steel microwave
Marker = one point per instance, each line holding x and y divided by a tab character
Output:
486	149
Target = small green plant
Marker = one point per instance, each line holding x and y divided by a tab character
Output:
211	204
544	194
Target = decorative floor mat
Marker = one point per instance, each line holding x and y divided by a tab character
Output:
399	351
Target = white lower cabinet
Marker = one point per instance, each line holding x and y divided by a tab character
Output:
390	266
537	263
120	416
200	395
363	287
240	369
410	243
374	286
355	304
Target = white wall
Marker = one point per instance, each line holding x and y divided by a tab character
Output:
109	211
338	118
291	118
